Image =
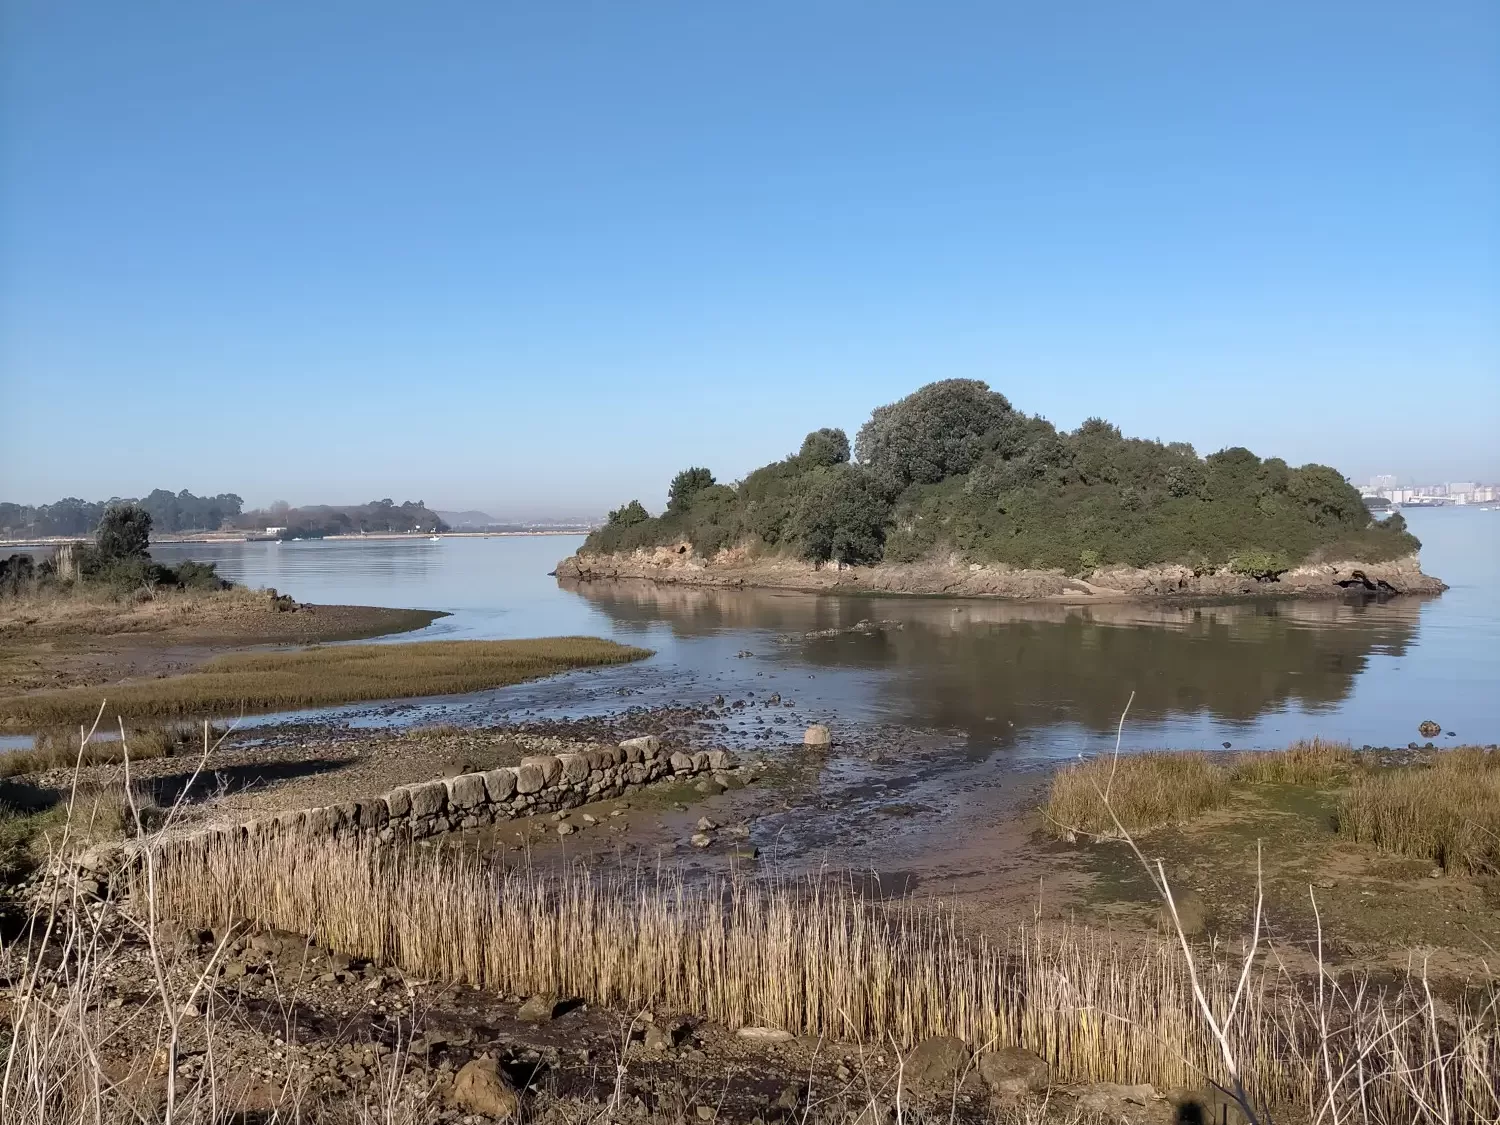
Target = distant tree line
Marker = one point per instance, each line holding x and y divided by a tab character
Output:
169	511
954	467
183	512
319	520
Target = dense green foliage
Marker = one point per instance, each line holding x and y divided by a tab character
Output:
953	467
171	512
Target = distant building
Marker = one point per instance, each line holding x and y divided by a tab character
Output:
274	530
1382	484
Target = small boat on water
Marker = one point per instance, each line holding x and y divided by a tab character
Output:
434	538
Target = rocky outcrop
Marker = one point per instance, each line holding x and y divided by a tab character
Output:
956	577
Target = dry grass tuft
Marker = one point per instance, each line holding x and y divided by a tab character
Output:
1147	791
1304	762
58	748
1447	812
323	676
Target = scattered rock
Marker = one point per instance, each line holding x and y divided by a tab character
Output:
1191	913
706	825
938	1061
817	735
701	840
538	1009
1013	1072
1128	1104
481	1088
765	1035
659	1038
706	1113
565	829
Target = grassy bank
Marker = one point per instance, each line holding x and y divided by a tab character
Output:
315	677
1443	807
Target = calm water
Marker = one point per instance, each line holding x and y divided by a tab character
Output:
1038	681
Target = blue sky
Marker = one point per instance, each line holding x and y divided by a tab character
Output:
535	258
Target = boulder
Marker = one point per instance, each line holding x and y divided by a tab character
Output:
529	779
482	1088
817	735
538	1009
681	763
575	767
549	765
642	748
936	1062
720	760
429	799
1130	1105
1013	1072
398	801
659	1038
500	784
372	813
466	791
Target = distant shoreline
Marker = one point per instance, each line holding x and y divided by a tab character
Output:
251	537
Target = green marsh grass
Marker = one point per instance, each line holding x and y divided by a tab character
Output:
321	676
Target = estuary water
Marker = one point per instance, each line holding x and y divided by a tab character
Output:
1037	681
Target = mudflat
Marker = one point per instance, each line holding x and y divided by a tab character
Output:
85	640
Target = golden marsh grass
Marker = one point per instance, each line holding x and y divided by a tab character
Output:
1447	812
322	676
1146	791
816	958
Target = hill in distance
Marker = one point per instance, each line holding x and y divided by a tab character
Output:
954	469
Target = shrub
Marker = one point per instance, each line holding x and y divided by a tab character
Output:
841	517
1263	566
939	431
124	534
628	515
685	484
823	448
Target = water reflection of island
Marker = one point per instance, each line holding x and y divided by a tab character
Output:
980	665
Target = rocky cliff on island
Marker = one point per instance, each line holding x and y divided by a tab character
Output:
954	577
953	491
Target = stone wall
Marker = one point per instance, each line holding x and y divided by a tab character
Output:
541	783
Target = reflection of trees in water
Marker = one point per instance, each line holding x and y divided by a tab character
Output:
976	664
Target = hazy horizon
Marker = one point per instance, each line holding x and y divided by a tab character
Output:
537	260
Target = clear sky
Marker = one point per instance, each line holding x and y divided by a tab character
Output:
536	257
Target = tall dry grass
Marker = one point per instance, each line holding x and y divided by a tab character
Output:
1447	812
816	958
1314	761
1145	790
322	676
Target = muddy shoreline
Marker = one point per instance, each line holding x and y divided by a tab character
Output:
953	577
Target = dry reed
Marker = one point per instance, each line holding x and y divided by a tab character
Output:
816	958
323	676
1447	812
1146	791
